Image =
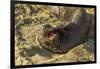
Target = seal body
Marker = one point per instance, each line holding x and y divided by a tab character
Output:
67	35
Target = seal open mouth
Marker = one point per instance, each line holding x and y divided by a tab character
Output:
51	35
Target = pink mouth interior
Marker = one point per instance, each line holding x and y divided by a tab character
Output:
51	34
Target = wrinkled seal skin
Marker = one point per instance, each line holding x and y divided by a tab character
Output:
69	34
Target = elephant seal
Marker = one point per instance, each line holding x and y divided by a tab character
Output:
64	37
